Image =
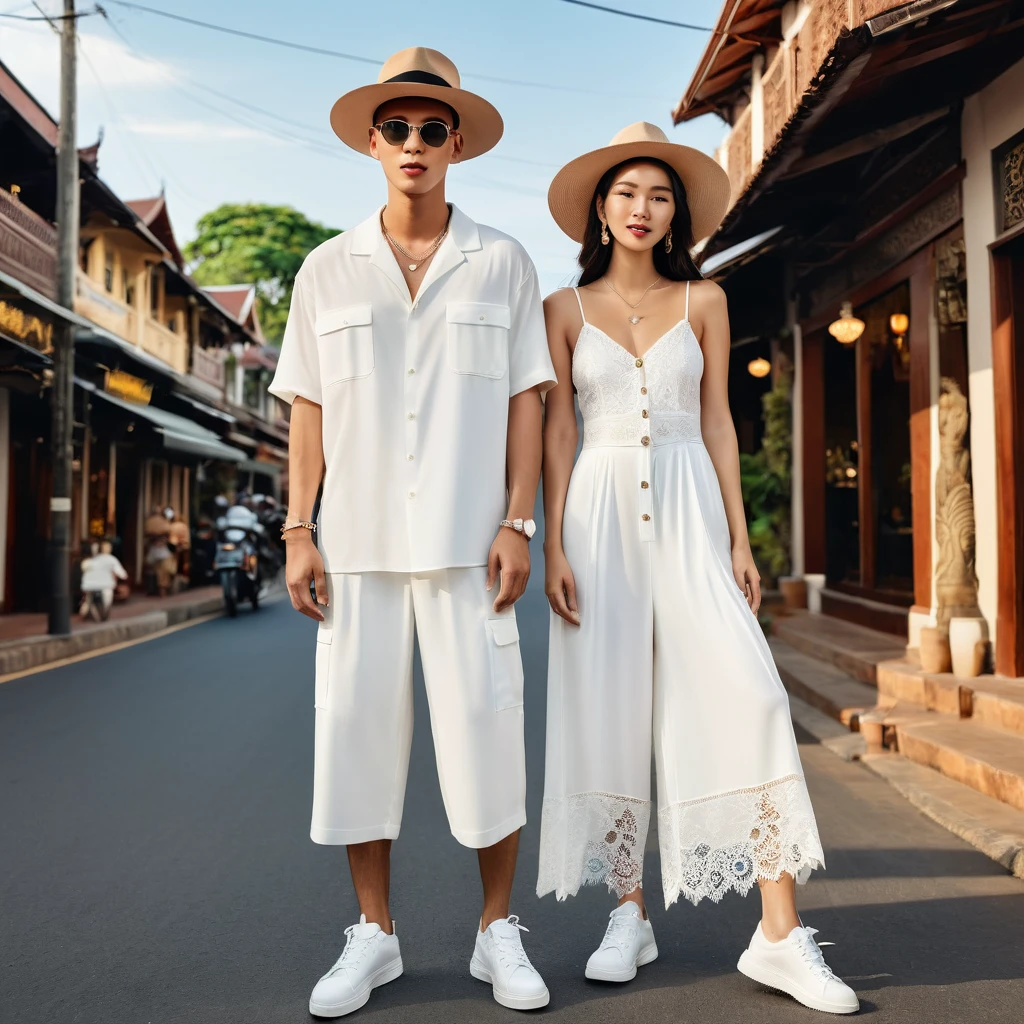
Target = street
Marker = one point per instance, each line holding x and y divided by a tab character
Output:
156	865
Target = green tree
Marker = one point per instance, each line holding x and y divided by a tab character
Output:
254	243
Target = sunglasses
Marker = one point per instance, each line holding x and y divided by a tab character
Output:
433	133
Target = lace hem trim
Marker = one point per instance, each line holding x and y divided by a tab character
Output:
708	846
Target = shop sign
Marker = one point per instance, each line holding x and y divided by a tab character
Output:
131	389
26	327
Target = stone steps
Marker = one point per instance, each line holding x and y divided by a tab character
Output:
822	685
854	649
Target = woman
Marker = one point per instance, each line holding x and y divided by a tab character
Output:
653	587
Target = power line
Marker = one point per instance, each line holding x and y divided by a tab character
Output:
289	44
639	17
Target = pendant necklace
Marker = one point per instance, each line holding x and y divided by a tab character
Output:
634	319
416	261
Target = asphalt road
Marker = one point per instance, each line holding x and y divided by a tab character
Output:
155	866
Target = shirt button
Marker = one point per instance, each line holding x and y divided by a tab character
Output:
645	441
412	494
412	415
410	371
639	363
643	391
410	457
483	318
644	414
644	484
646	518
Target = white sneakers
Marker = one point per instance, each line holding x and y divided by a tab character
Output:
500	960
370	958
628	943
795	966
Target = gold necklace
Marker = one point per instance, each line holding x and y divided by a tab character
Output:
417	261
634	319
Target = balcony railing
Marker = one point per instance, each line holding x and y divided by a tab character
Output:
208	367
28	245
167	346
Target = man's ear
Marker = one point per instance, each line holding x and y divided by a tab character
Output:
373	144
458	142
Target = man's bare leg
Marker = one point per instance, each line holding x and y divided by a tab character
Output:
497	871
370	864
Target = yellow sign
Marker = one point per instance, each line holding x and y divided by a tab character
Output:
131	389
26	327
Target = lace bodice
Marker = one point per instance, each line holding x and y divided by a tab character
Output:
615	389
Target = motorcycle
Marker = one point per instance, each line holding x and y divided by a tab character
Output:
237	560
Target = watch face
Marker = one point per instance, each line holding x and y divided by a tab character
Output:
529	528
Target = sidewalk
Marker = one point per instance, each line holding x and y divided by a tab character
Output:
25	644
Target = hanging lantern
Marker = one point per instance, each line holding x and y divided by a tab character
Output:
899	324
759	367
847	329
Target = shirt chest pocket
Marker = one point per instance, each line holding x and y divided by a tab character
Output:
344	339
478	338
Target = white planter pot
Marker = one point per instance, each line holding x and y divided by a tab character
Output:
968	643
815	584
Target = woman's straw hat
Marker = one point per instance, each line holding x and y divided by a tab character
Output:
706	183
420	72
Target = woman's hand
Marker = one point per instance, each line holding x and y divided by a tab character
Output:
560	586
748	579
304	564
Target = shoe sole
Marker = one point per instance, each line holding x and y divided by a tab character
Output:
389	972
772	977
646	956
479	971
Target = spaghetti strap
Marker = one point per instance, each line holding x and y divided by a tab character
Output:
686	315
576	291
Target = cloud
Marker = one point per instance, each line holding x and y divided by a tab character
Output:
195	131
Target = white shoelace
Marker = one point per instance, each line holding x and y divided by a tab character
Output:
620	932
811	954
509	945
355	950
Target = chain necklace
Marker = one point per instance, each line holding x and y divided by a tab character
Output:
634	319
417	261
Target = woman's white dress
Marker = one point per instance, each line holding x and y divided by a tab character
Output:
667	649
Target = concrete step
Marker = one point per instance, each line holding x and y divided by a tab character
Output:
821	684
854	649
988	760
993	701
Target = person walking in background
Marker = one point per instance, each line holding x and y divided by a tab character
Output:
180	539
653	588
414	358
100	573
161	562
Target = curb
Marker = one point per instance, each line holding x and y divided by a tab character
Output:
33	652
956	807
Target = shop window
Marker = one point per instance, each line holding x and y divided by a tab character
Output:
154	292
108	271
128	288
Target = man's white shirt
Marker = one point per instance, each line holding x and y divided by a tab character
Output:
414	392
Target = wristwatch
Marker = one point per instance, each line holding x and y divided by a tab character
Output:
527	527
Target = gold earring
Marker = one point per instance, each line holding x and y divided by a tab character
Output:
668	241
604	234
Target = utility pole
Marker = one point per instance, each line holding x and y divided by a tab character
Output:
62	395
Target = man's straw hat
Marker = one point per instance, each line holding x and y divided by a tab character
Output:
417	71
706	183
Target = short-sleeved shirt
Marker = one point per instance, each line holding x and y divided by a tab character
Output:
414	392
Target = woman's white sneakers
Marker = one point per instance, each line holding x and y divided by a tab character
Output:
371	958
500	960
795	966
628	943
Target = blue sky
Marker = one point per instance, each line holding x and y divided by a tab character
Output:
147	81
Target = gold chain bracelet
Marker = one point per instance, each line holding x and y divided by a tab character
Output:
302	524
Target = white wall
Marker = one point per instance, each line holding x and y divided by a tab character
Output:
990	117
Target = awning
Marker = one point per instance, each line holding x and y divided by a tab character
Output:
208	409
266	468
179	434
740	252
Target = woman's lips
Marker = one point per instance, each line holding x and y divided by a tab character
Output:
638	230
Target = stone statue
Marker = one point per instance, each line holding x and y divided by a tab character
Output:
956	583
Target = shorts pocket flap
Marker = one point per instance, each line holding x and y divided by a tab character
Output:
480	314
345	316
504	631
324	634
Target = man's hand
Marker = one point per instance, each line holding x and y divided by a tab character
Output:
304	564
510	555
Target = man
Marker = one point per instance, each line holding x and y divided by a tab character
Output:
415	356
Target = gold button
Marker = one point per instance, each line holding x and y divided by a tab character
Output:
643	391
645	441
646	518
639	363
644	414
644	484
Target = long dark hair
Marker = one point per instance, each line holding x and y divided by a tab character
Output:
676	265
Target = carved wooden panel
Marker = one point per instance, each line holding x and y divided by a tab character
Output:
827	20
28	245
739	154
872	8
779	102
1009	161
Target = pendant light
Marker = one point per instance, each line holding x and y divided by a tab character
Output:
759	367
847	329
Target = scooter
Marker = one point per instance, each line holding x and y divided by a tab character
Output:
237	560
